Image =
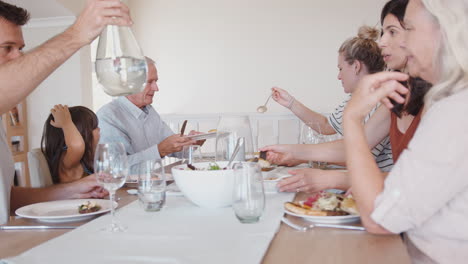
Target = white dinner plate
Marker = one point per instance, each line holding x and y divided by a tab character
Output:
203	136
327	219
62	211
208	135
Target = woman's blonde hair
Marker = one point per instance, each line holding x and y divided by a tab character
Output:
452	54
365	49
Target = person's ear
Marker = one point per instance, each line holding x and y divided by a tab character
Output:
357	67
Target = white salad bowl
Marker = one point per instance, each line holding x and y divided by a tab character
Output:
205	188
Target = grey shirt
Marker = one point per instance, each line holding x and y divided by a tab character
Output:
140	130
7	173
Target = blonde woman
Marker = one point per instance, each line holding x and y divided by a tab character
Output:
393	129
426	194
357	57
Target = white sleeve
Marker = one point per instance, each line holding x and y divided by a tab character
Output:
430	173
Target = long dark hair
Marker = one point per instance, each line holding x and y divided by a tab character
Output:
396	8
53	141
417	90
418	87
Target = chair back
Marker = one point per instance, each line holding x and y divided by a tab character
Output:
39	171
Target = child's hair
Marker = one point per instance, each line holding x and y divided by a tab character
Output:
365	49
53	140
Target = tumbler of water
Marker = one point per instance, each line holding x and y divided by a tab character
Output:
121	68
151	185
248	193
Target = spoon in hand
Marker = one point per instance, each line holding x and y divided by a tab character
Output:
263	108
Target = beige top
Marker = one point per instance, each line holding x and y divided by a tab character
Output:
426	193
7	172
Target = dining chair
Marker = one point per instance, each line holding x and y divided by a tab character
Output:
39	171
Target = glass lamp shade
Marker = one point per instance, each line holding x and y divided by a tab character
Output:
121	68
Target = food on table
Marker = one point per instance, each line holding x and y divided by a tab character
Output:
324	204
211	166
212	130
349	205
88	207
264	164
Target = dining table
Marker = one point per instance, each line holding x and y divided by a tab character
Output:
287	245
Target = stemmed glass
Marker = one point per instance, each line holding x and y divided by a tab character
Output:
191	154
229	130
111	170
311	133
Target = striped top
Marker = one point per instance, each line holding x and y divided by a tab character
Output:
382	152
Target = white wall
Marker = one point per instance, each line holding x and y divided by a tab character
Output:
223	56
220	56
65	86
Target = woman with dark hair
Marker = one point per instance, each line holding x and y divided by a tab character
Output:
68	142
425	196
393	129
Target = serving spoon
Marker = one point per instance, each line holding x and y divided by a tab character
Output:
240	142
263	108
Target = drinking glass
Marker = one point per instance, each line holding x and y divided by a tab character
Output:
248	195
311	133
121	68
111	170
229	130
191	154
151	185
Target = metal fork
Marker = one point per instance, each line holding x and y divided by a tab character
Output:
310	226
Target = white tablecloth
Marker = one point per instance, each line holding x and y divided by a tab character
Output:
180	233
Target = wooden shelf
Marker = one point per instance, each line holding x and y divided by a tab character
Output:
16	127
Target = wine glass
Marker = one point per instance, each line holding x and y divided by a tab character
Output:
191	154
229	130
111	170
121	68
311	133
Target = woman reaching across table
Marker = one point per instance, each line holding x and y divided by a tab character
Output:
400	123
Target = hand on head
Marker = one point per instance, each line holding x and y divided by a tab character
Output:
61	116
96	15
375	88
174	143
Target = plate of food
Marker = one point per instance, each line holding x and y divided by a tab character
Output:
325	207
65	210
